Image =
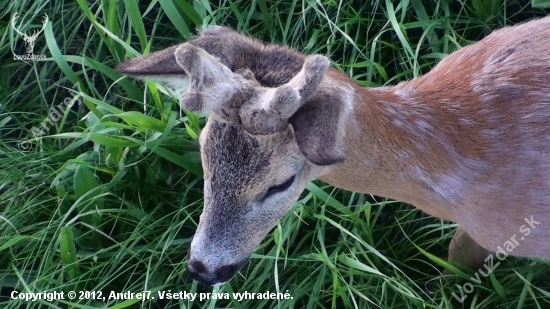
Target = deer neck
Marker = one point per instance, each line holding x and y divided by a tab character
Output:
376	147
404	142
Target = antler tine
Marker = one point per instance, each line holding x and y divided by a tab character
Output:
212	84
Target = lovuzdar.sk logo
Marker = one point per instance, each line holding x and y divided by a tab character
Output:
29	39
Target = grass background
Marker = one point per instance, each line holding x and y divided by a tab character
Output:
108	197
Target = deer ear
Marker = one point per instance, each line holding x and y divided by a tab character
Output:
319	124
162	62
160	66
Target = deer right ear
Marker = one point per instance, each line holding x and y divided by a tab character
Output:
319	124
160	66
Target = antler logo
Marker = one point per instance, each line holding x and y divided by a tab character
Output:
29	39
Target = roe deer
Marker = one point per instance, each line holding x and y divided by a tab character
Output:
468	142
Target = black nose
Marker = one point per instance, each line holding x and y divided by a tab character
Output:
198	271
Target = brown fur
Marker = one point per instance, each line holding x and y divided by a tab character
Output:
468	142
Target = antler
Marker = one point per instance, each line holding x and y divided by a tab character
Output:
14	27
262	110
44	23
277	105
212	84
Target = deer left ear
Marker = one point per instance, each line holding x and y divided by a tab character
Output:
319	124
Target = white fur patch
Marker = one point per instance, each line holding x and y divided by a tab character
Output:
178	83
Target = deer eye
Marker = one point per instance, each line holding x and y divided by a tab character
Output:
279	188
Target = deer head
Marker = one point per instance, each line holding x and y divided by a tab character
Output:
29	39
259	148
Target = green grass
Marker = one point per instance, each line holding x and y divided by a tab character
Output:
108	197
